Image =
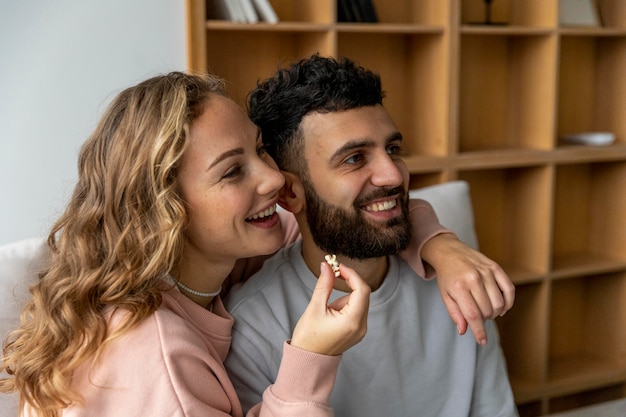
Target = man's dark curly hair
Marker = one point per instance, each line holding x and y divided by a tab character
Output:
315	84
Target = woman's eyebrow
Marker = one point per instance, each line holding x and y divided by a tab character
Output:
226	155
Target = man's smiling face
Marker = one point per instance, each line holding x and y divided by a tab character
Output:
356	185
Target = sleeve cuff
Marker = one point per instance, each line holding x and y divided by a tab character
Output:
305	376
425	226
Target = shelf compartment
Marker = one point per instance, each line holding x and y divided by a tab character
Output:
587	398
592	85
315	11
531	409
512	207
523	336
259	54
589	223
425	12
587	347
417	94
512	12
509	102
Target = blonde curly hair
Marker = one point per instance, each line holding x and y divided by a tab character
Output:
122	231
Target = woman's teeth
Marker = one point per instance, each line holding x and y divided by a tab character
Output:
265	213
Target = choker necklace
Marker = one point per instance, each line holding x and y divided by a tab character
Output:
198	293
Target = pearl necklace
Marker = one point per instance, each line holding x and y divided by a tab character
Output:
198	293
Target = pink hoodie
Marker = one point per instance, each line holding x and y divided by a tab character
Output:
171	364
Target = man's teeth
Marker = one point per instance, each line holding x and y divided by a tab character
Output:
265	213
381	206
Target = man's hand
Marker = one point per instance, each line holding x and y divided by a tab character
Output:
473	287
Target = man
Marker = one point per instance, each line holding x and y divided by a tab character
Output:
323	122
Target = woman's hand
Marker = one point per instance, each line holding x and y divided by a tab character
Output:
331	329
473	287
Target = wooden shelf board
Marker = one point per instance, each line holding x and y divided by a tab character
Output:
598	31
226	25
507	30
501	158
518	157
390	28
573	265
571	374
425	164
578	154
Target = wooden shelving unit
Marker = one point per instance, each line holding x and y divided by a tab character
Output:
486	104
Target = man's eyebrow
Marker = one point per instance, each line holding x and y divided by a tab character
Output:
360	144
350	146
226	155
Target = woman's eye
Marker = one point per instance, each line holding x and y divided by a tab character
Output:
261	150
232	172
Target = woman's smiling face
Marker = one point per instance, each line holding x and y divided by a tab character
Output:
230	185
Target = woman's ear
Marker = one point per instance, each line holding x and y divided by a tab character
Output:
291	196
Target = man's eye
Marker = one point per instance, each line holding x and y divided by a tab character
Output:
261	150
394	150
354	159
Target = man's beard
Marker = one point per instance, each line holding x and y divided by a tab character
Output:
348	233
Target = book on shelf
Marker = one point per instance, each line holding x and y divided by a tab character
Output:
218	10
578	13
232	10
224	10
368	11
265	11
356	11
249	11
240	16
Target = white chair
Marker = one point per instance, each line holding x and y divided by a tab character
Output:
19	265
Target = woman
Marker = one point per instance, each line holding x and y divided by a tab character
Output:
173	188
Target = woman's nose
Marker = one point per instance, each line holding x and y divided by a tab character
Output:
270	179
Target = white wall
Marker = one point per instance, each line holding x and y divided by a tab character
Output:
61	62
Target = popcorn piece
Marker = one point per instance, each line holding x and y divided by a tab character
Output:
332	261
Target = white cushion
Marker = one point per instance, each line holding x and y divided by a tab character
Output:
19	264
453	205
